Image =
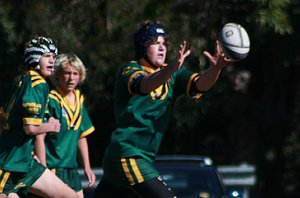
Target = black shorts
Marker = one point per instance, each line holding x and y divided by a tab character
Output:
155	187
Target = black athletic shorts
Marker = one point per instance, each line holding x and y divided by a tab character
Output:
155	187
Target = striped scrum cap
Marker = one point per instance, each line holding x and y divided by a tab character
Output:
35	48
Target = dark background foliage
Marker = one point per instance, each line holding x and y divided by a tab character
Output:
252	113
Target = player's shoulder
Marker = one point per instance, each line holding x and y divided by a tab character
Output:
129	68
38	80
54	94
35	78
131	64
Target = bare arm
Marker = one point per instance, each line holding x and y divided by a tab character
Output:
84	153
40	131
217	61
40	148
53	125
157	78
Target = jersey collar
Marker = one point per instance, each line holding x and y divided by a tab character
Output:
32	72
150	68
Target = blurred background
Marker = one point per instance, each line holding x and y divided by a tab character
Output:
251	115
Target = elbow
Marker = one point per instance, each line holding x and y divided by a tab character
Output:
143	91
203	88
29	130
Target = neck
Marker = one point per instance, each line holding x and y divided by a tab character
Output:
146	62
65	92
71	97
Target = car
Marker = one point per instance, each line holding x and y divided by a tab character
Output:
191	176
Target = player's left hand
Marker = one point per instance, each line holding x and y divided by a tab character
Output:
219	59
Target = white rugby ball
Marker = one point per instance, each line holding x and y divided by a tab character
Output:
235	41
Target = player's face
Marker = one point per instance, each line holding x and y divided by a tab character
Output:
47	64
68	79
157	52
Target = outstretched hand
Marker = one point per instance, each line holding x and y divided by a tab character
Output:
182	54
219	59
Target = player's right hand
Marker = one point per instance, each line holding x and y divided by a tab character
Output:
55	124
182	54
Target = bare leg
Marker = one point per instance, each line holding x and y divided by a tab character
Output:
3	195
49	185
80	194
13	195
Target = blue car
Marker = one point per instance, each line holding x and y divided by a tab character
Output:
191	176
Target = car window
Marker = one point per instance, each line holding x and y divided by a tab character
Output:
192	181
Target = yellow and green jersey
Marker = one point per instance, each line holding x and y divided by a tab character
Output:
26	104
61	148
142	118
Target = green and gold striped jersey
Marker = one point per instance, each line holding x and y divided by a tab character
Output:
61	148
142	118
26	104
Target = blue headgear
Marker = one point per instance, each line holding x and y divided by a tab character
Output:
36	48
144	35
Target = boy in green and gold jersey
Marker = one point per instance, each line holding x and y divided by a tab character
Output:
24	113
58	151
145	92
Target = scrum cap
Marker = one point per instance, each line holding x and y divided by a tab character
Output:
35	48
144	36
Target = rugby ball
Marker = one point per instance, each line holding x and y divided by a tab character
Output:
235	41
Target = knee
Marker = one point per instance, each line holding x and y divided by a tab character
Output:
13	195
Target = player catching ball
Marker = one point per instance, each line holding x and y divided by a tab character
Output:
145	93
58	151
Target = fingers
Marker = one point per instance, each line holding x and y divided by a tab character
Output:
207	55
182	54
218	59
92	179
219	50
182	51
218	47
182	47
186	54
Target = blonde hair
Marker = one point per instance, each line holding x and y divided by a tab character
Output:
68	59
